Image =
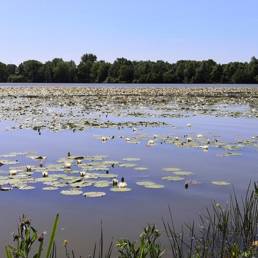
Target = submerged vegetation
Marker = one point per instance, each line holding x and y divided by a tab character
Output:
90	70
229	230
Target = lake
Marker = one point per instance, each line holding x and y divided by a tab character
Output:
159	140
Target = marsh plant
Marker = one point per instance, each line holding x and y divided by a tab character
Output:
27	237
223	231
148	245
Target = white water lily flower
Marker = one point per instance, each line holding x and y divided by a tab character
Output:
67	164
122	185
150	142
104	138
44	173
115	181
79	161
189	139
12	172
82	173
28	168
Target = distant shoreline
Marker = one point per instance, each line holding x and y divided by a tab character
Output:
132	85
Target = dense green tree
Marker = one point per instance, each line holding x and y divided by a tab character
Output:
99	71
3	72
121	70
85	68
90	70
11	69
17	78
253	70
64	72
31	70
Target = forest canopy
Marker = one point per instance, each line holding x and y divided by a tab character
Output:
122	70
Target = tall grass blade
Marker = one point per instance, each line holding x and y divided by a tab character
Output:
52	236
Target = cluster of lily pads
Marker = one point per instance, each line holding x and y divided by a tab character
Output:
189	140
83	108
74	174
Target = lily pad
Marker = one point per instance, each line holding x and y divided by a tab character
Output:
149	184
71	192
173	178
172	169
131	159
102	184
94	194
221	183
118	189
50	188
182	173
141	168
127	165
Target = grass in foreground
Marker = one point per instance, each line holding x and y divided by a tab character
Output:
229	231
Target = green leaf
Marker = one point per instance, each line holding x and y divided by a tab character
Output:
52	237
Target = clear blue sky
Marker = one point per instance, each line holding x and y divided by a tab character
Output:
224	30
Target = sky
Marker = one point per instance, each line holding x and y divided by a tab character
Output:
170	30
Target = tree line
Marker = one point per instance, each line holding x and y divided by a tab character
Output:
122	70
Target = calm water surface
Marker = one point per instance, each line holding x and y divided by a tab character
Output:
125	214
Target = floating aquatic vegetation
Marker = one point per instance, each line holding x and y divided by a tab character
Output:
120	189
149	184
50	188
82	108
232	154
127	165
36	157
71	192
94	194
151	143
26	187
140	168
173	178
221	183
8	162
102	183
5	188
182	173
172	169
131	159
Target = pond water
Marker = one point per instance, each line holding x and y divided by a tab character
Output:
203	150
